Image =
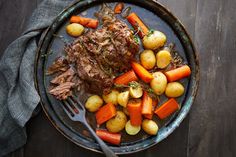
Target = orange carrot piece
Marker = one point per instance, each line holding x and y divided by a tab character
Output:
167	108
137	23
125	78
135	112
105	113
146	103
87	22
178	73
141	72
118	8
113	138
154	104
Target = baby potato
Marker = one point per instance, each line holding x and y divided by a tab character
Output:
93	103
174	89
163	59
150	127
123	98
135	92
154	40
117	123
158	84
132	130
74	29
111	97
147	59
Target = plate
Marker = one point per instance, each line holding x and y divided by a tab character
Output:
155	16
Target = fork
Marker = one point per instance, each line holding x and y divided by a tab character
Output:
76	112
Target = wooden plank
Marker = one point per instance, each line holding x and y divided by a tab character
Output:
14	15
213	117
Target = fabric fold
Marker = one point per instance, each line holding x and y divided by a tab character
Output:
18	96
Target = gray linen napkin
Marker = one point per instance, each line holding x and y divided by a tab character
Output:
18	97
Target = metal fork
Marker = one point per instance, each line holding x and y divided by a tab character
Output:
76	112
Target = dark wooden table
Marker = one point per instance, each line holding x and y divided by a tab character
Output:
208	131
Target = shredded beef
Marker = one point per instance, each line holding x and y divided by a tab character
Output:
98	55
59	65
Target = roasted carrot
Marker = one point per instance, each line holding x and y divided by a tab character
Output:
146	103
137	23
167	108
141	72
178	73
154	104
125	78
87	22
113	138
135	112
118	8
105	113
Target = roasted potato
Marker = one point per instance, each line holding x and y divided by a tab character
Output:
74	29
93	103
174	89
163	58
158	84
117	123
135	92
123	98
132	130
150	127
147	59
154	40
111	97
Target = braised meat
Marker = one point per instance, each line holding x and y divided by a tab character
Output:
59	65
62	91
64	77
98	56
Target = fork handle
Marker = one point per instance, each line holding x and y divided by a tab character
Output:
106	150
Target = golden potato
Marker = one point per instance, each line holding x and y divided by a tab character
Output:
74	29
117	123
135	92
123	98
148	59
150	127
132	130
93	103
154	40
174	89
163	59
158	84
111	97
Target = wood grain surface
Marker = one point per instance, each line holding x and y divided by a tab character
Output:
208	131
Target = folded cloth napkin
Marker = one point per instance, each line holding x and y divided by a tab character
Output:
18	96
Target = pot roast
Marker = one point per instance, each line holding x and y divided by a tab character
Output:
97	56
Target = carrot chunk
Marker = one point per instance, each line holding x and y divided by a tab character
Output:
113	138
87	22
105	113
125	78
154	104
178	73
167	108
141	72
146	103
137	23
135	112
118	8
